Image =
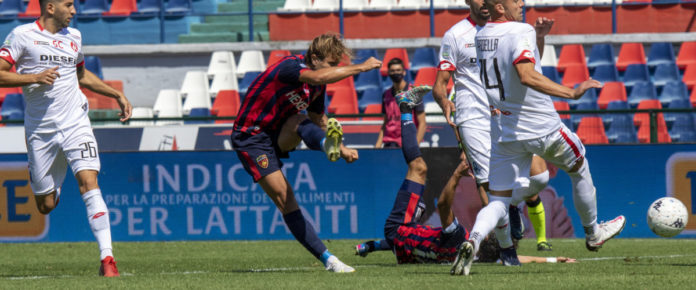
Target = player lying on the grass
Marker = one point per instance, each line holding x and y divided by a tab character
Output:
270	124
50	69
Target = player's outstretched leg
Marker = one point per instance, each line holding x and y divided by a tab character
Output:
98	218
316	139
410	99
371	246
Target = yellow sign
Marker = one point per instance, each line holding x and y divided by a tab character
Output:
681	183
19	217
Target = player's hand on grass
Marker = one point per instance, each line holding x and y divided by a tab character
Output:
48	76
349	155
584	86
371	63
543	26
126	108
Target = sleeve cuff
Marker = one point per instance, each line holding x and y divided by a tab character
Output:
446	66
525	55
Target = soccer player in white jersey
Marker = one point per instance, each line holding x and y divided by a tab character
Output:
50	66
528	124
473	114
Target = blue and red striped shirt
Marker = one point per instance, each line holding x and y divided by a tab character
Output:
276	94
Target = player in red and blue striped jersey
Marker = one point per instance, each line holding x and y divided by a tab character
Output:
271	123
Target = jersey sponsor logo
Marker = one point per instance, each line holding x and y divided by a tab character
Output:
472	60
19	217
296	99
73	46
57	58
262	161
38	42
681	183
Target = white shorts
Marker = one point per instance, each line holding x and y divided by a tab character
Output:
477	143
511	161
49	155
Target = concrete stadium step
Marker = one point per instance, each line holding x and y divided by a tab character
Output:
222	37
241	6
225	27
236	19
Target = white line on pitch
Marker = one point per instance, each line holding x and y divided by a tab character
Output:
625	257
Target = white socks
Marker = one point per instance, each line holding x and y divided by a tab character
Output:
537	183
492	216
584	198
98	218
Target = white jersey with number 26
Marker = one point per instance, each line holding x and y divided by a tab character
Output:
32	49
525	113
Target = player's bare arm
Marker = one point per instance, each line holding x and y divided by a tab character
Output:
542	26
89	80
535	80
10	79
380	135
440	95
349	155
336	73
422	126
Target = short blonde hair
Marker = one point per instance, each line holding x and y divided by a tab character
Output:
328	45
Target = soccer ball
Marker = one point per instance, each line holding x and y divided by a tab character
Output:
667	217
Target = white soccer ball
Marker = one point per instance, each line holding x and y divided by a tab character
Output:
667	217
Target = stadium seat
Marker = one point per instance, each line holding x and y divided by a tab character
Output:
673	90
94	7
355	4
178	6
622	130
675	104
343	101
13	108
683	129
142	112
616	105
6	91
391	53
93	64
168	105
601	54
427	76
434	113
586	106
276	55
369	97
221	62
630	53
591	131
571	55
11	8
373	109
325	5
296	5
196	99
687	54
251	60
636	73
195	82
368	80
590	97
381	4
443	3
605	73
574	75
246	82
99	102
662	133
689	77
644	118
551	73
362	55
199	112
33	9
565	118
642	91
611	91
148	7
549	57
226	105
121	8
223	81
664	73
412	4
661	53
424	57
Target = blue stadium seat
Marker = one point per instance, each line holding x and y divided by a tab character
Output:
616	105
636	73
601	54
683	129
368	80
424	57
147	7
666	72
93	64
551	73
575	118
590	97
13	108
673	91
622	130
94	7
11	7
178	6
369	97
605	73
362	55
676	104
661	52
641	91
248	78
199	112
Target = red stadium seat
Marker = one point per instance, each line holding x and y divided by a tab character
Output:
226	105
687	54
612	91
562	106
275	56
394	53
644	118
693	98
99	102
662	132
571	55
121	8
373	109
591	131
574	75
427	76
630	53
344	101
33	9
347	83
6	91
690	76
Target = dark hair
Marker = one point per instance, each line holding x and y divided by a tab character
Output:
43	3
394	61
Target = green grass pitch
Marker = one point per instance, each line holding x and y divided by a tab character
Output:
622	263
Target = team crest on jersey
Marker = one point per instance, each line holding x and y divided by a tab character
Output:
262	161
73	46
